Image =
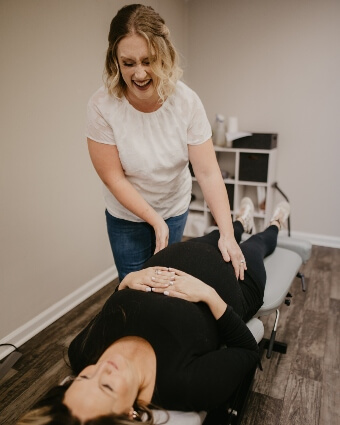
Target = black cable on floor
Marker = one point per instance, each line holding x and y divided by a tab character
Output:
10	360
9	345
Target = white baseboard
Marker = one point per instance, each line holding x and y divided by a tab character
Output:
321	240
57	310
314	239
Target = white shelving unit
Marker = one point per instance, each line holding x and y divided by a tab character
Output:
246	172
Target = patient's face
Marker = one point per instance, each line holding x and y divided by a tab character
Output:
101	389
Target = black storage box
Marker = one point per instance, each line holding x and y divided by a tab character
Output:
253	167
257	141
230	190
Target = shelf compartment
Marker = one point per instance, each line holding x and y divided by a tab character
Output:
230	190
227	164
257	194
229	181
259	224
249	183
195	225
251	172
197	205
253	167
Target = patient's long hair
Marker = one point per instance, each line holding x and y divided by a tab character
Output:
52	411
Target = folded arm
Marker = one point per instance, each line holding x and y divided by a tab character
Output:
175	283
216	375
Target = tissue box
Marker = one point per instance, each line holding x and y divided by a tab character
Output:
257	141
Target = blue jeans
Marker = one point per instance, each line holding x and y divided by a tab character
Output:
134	243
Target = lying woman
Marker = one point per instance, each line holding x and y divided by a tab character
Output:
172	336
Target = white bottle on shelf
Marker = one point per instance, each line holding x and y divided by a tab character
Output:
219	131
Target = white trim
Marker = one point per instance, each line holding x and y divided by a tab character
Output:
321	240
57	310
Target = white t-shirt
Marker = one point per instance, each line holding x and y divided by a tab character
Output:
153	147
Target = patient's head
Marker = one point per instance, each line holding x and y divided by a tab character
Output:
53	410
103	389
117	389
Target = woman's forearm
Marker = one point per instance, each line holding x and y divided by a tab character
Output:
208	174
216	197
215	303
130	198
106	161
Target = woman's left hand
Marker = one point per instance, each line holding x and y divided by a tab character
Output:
184	286
189	288
231	251
164	280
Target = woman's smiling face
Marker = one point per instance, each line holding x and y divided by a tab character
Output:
134	63
104	388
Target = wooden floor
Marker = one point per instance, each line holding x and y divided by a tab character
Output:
301	387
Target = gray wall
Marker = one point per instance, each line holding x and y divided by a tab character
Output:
276	66
53	237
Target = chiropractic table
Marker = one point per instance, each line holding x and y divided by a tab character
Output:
282	267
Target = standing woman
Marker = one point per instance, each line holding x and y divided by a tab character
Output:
144	126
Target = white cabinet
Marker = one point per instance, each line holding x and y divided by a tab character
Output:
246	172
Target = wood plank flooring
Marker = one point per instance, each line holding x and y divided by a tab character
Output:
301	387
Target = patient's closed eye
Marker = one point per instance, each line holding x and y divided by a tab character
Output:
104	385
108	387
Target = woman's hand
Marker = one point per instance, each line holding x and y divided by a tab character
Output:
184	286
189	288
146	279
231	252
162	234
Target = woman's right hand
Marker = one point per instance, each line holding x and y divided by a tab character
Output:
146	279
162	234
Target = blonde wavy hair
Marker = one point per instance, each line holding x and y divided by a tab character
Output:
144	21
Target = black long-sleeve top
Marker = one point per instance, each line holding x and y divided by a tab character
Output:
193	371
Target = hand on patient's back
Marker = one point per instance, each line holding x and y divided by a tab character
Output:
231	251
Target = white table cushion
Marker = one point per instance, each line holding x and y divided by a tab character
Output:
300	246
256	328
179	418
282	267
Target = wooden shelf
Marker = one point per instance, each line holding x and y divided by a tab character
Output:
232	162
